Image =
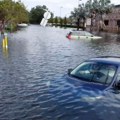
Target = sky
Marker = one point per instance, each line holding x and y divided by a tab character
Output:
60	8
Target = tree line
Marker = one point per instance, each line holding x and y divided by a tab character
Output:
94	9
12	12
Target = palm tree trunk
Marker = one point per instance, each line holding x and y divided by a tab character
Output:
84	24
78	23
92	18
101	23
91	26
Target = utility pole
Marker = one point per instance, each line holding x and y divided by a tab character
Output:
78	2
61	11
78	19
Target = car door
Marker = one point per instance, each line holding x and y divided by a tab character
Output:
110	102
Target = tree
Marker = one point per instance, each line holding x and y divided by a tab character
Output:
51	20
61	22
56	21
36	14
80	14
20	13
97	9
93	9
13	12
65	21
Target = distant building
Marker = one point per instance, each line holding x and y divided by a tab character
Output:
112	20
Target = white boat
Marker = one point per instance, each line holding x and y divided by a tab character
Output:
22	25
77	35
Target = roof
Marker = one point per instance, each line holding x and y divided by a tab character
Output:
108	59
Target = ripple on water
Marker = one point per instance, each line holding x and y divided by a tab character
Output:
31	87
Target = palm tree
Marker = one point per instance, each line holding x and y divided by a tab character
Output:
94	9
13	12
97	9
80	14
103	8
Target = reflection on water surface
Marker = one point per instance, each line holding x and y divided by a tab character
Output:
36	59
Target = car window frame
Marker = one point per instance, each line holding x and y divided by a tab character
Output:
96	62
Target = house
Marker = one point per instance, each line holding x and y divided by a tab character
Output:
112	20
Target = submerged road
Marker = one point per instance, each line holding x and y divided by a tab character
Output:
37	57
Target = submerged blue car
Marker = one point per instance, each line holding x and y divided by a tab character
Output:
91	91
100	72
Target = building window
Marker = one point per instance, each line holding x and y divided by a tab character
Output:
106	22
118	23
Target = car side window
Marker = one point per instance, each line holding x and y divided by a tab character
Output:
88	34
112	70
104	73
74	33
95	72
82	33
100	74
83	71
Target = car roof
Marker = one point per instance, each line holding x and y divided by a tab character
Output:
80	32
107	59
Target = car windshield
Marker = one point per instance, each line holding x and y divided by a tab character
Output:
95	72
82	33
88	34
78	33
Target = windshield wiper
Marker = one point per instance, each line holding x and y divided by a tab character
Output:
74	76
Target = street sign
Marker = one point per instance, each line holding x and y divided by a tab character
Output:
43	22
47	15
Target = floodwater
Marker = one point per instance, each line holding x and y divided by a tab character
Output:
31	70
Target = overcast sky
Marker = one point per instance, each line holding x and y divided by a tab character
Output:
58	7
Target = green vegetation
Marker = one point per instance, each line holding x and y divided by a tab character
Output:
51	19
80	14
36	14
92	9
12	13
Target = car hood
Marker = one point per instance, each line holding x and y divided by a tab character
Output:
73	98
76	88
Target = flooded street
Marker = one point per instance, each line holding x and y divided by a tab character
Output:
31	87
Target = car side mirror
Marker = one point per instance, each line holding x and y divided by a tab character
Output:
69	71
